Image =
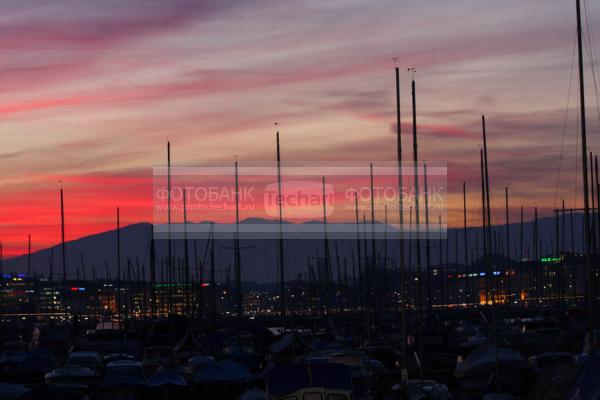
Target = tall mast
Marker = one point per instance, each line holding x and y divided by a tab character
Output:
521	255
144	291
358	248
572	226
153	272
418	240
366	253
538	284
281	256
29	256
127	279
62	235
186	256
509	276
385	258
490	269
563	216
427	244
441	285
198	283
521	237
559	267
466	249
456	268
237	258
213	282
584	177
410	224
401	221
169	244
118	288
373	284
592	208
487	195
483	225
328	280
108	294
447	283
597	224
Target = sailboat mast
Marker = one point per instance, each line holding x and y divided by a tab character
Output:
597	224
358	251
559	267
374	273
153	271
118	288
169	244
418	241
483	225
487	195
213	282
508	276
385	258
401	227
427	243
186	256
538	283
327	259
489	260
466	248
281	256
524	299
441	273
29	256
237	258
62	235
592	208
562	227
584	177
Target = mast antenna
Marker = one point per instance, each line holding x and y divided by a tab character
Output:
413	71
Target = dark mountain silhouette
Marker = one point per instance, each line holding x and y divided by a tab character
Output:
259	256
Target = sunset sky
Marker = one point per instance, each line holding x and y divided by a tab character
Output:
91	90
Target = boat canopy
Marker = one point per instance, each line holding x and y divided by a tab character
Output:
289	378
223	371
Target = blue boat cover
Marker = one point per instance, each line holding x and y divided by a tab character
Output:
47	392
166	377
253	394
289	378
38	361
11	391
123	374
245	359
224	371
